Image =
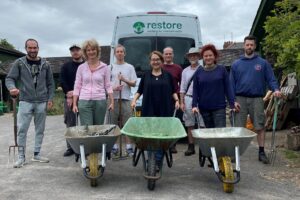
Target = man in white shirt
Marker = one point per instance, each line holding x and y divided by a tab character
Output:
123	77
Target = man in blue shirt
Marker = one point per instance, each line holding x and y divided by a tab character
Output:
249	76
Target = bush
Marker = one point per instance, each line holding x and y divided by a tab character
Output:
58	104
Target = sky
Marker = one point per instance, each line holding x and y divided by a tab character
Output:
57	24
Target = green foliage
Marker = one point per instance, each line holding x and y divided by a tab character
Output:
282	42
58	104
5	44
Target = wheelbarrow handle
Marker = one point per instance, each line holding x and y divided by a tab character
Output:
232	117
197	115
108	116
174	113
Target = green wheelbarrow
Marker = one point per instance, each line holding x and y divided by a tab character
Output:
153	134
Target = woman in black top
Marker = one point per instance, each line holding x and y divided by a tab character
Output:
159	95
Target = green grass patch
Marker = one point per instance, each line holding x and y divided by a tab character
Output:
58	104
289	154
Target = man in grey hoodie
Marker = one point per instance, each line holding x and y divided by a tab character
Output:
35	91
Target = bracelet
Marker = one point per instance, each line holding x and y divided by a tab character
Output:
176	99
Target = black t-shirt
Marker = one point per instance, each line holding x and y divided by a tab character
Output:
34	69
33	62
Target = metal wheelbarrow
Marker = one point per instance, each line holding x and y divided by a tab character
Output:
219	145
153	134
89	142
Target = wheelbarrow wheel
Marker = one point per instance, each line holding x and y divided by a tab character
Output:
151	170
227	172
93	165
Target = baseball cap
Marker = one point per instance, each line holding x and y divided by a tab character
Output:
74	46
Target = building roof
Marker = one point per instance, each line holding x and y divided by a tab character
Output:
57	62
227	56
11	52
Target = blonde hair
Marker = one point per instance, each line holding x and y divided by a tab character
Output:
93	44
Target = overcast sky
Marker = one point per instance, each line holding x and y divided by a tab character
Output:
58	23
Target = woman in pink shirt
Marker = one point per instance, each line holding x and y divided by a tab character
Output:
91	85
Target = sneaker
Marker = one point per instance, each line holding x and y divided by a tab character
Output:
115	152
19	163
68	152
40	159
263	158
129	152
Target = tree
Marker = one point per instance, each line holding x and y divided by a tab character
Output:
5	44
282	42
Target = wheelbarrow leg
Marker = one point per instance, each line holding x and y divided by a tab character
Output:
214	159
82	156
103	162
237	159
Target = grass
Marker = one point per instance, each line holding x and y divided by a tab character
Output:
289	154
58	104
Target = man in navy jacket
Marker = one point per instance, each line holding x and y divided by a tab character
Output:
249	76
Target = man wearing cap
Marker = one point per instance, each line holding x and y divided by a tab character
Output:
186	91
68	74
175	70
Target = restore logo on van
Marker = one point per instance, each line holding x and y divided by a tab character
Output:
139	27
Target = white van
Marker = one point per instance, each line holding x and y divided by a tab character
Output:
142	33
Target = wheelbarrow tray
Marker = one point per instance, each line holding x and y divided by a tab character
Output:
154	133
223	139
83	135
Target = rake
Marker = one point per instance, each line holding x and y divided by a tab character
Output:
273	152
15	146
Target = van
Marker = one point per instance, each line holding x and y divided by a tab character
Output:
142	33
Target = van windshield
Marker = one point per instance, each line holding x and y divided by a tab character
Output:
138	49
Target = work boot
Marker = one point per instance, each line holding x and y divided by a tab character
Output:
190	151
68	152
20	162
173	149
263	158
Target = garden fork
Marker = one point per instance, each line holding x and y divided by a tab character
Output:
273	152
15	146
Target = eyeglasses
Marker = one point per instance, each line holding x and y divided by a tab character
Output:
156	59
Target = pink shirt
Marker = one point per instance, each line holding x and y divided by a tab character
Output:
91	85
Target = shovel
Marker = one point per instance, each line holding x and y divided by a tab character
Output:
15	146
272	155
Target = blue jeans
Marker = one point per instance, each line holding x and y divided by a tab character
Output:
214	118
25	113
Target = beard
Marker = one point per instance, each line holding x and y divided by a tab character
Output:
32	55
249	52
193	62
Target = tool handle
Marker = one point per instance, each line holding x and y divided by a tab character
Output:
276	103
14	100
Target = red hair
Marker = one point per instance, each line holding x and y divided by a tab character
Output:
209	47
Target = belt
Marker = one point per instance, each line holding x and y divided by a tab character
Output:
188	95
